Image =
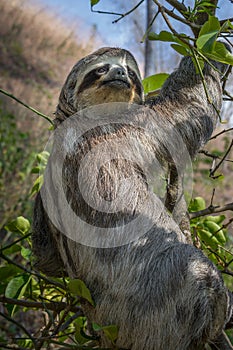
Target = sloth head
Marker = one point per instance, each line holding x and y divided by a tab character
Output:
107	75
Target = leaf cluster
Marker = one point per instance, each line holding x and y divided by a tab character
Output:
211	235
23	290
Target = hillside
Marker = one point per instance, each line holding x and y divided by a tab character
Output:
36	53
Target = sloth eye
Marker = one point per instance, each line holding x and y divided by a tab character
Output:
131	73
102	70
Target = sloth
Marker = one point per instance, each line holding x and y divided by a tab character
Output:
97	216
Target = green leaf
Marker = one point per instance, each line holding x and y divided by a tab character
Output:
206	42
163	36
181	49
15	285
221	237
8	271
37	185
16	289
154	82
209	26
25	343
211	226
197	204
208	34
94	2
43	157
111	331
215	230
226	25
206	3
26	253
38	169
78	287
15	248
208	238
220	54
96	327
80	336
168	36
218	218
19	225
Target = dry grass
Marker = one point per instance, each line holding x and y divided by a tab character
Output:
36	54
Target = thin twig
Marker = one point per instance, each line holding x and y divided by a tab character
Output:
11	347
15	242
224	20
180	19
220	133
69	321
65	313
202	77
127	13
222	160
8	318
178	5
121	15
37	274
45	332
226	93
27	106
212	197
227	272
162	10
213	156
149	27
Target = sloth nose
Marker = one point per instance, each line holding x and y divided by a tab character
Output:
119	72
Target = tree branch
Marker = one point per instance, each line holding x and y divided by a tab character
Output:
53	306
27	106
178	5
211	210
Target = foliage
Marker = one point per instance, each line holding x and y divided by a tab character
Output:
17	157
23	289
210	234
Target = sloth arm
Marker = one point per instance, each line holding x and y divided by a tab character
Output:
189	106
185	104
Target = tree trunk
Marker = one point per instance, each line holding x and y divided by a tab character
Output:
149	48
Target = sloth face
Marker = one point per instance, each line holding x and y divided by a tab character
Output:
110	81
107	75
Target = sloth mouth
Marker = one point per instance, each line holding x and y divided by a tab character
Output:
118	83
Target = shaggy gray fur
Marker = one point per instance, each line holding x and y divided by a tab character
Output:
161	292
